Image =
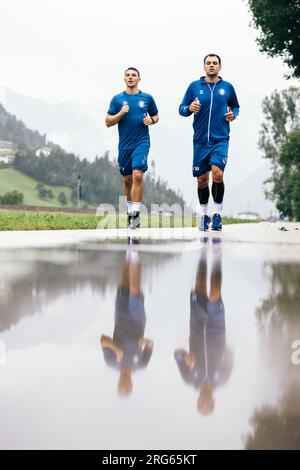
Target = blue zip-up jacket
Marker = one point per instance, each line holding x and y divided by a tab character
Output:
210	123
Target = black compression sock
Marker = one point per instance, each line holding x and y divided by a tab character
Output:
203	195
217	190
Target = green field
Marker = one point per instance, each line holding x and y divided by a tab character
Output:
11	180
28	220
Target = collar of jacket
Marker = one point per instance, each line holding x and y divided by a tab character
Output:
202	79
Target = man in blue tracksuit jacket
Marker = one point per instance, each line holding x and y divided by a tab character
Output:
214	105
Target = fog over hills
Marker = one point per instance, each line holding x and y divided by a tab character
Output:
80	128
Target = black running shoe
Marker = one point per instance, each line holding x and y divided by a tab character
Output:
135	221
133	241
128	219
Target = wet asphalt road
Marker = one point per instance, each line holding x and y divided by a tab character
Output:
150	346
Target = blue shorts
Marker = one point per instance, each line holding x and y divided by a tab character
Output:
134	159
208	154
204	311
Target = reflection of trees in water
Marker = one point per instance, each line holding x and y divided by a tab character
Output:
284	299
279	317
48	280
277	427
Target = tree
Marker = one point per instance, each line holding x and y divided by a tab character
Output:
43	192
279	25
280	309
280	141
62	198
13	198
277	427
288	185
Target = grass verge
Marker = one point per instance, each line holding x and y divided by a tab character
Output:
25	220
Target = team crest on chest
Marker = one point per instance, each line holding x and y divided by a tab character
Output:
221	91
141	104
201	92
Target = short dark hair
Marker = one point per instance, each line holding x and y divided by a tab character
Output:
215	55
133	68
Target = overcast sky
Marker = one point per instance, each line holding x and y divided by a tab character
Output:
77	49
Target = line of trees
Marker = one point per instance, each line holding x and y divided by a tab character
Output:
280	142
278	23
101	181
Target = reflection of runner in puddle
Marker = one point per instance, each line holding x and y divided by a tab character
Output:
128	350
208	363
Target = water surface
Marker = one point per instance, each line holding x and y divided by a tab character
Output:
150	345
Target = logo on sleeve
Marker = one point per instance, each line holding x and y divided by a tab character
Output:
221	91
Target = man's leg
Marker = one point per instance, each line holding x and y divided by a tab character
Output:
218	161
124	161
216	274
127	187
137	192
139	164
203	196
135	274
217	191
203	192
201	168
127	193
201	276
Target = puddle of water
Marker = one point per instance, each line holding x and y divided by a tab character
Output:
150	346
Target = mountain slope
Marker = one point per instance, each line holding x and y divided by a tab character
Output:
11	180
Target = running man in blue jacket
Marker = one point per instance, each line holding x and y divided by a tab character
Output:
133	111
214	105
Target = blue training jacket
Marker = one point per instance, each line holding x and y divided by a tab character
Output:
210	123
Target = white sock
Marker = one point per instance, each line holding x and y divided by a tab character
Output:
217	208
129	207
132	256
216	254
136	206
203	209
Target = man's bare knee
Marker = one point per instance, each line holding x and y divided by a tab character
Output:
217	175
203	181
138	177
128	181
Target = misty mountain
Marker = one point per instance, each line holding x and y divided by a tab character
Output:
14	130
73	126
248	195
